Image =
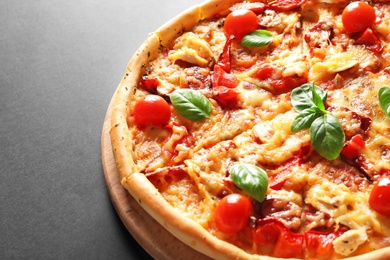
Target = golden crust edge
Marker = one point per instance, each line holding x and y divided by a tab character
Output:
137	184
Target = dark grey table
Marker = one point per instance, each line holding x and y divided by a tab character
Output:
60	63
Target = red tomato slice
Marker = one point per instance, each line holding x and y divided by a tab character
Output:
224	58
286	84
153	110
379	199
149	84
267	232
358	16
264	72
370	40
224	93
240	22
285	5
232	213
320	243
282	84
289	245
272	232
222	78
277	183
353	148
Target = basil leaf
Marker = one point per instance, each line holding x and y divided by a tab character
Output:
326	133
257	38
327	136
305	119
317	99
302	97
191	104
384	100
251	179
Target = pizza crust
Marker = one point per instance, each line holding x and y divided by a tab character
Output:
136	183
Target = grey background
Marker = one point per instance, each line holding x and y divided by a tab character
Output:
60	63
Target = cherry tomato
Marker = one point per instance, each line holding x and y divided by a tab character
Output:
358	16
240	22
153	110
380	197
232	213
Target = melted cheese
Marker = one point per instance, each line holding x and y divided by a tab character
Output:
347	208
336	62
349	241
192	49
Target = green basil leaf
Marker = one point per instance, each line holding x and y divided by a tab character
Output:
191	104
251	179
384	100
305	119
302	97
327	136
257	38
317	99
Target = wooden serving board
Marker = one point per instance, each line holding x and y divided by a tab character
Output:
153	237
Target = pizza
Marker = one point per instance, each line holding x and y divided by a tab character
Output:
261	130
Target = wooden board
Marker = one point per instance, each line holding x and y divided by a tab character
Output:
153	237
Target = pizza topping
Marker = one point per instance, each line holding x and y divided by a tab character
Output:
285	5
257	8
314	219
353	148
152	110
347	208
162	172
149	84
337	62
196	78
326	133
287	212
232	213
226	97
257	38
349	241
190	48
250	178
191	104
358	16
380	196
282	242
222	78
320	34
224	60
239	23
319	244
306	97
223	85
384	100
277	78
370	40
